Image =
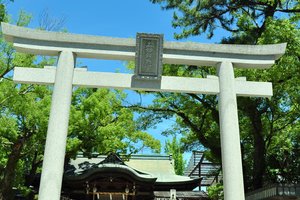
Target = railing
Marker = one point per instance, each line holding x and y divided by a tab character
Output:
278	190
199	166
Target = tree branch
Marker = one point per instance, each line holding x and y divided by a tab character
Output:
288	10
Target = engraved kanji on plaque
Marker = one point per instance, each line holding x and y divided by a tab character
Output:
149	50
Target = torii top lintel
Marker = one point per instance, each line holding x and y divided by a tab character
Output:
51	43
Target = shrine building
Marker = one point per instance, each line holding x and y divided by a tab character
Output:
141	177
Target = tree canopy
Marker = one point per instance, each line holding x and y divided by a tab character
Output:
98	122
174	148
266	125
247	18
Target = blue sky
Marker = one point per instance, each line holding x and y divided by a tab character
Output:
115	18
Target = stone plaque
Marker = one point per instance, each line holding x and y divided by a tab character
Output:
149	50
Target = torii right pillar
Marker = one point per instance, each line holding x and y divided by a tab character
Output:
230	135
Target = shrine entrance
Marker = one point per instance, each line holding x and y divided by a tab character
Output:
112	196
111	188
151	53
109	177
109	193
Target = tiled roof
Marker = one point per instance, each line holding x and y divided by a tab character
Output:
155	166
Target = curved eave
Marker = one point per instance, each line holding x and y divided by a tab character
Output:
178	185
99	47
191	181
113	169
12	32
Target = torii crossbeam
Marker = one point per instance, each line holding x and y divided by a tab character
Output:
69	46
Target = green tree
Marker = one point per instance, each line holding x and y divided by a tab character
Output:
246	20
265	124
215	192
174	148
18	123
99	123
23	121
3	12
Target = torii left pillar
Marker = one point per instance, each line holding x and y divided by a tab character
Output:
54	155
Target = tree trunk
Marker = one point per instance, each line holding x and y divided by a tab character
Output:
6	190
30	177
259	154
259	161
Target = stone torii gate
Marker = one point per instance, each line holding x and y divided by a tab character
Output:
69	46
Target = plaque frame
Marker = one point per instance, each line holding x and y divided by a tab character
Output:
149	54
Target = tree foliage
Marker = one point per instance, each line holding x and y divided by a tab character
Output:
244	18
269	128
24	114
173	147
98	122
215	192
